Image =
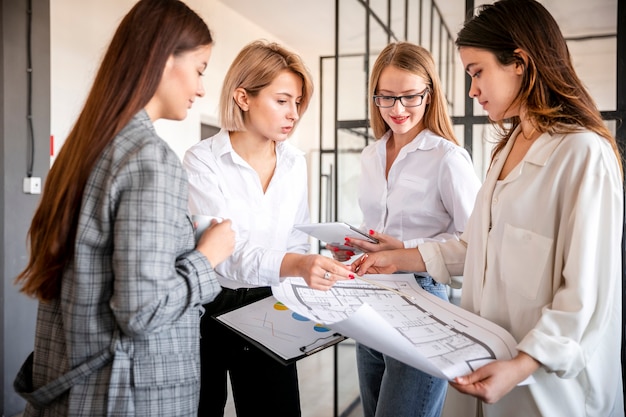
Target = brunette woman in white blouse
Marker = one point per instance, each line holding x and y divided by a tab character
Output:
541	255
251	175
416	185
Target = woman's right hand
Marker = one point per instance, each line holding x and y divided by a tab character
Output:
217	242
389	261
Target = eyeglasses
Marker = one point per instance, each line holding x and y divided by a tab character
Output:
412	100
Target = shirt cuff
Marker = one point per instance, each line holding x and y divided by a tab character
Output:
270	267
567	363
435	265
412	243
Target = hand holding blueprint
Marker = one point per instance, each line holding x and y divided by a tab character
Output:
394	315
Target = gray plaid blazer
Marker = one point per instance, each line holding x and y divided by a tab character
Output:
127	321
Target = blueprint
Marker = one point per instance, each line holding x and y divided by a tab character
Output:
394	315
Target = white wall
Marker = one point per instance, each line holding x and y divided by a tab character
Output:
77	46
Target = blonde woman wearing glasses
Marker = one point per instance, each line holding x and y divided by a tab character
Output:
417	184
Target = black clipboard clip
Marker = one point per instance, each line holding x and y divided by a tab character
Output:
304	348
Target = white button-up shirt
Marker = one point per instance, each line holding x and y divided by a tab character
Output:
542	255
428	194
223	184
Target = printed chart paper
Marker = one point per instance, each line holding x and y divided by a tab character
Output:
282	333
394	315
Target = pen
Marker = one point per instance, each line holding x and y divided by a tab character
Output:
363	258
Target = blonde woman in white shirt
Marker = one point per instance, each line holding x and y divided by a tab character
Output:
416	185
249	174
541	255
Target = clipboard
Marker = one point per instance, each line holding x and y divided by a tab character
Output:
334	232
281	333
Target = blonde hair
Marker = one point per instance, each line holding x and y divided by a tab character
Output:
254	68
416	60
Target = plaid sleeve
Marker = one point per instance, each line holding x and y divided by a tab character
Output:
153	286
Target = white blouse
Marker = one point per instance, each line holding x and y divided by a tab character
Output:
542	257
223	184
428	194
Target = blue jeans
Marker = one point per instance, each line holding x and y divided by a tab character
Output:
390	388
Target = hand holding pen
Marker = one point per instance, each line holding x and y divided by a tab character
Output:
376	263
389	261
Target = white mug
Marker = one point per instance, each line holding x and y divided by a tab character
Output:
201	222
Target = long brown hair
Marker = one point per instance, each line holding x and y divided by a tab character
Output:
128	77
554	97
416	60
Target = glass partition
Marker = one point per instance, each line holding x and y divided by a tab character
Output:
364	28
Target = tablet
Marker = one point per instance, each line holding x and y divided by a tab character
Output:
334	232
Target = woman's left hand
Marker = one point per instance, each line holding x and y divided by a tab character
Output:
496	379
385	242
339	252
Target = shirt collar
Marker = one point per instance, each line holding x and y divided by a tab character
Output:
425	140
542	149
221	146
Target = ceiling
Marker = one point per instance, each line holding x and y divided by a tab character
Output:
310	25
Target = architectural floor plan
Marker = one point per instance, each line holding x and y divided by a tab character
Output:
393	315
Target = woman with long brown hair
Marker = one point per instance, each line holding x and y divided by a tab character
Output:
113	260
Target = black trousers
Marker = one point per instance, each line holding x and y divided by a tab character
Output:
261	385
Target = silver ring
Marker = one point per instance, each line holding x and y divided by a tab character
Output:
326	275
